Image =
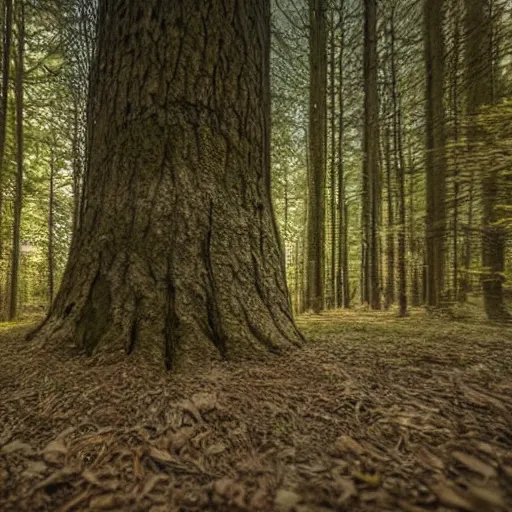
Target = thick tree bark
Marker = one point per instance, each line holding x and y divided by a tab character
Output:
435	151
480	92
317	140
18	198
179	245
371	171
51	230
6	7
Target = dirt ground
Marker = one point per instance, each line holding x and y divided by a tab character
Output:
376	413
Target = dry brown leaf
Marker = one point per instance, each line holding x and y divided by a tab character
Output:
179	439
34	469
429	459
487	496
348	489
205	402
56	478
216	449
230	491
138	470
17	446
74	502
508	471
475	464
160	455
286	500
408	507
190	407
259	500
345	444
108	484
106	502
453	497
152	482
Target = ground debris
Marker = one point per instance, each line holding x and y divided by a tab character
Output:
375	414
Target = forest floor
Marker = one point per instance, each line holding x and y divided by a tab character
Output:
376	413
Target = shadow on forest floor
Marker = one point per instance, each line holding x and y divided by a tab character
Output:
376	413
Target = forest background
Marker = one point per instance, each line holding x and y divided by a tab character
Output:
391	150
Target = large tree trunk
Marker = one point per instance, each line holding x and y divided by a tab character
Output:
317	140
371	171
18	198
435	150
6	34
179	245
479	55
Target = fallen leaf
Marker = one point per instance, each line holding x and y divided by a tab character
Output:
487	496
230	491
160	455
179	439
205	402
286	500
372	480
474	464
508	471
345	444
190	407
452	497
74	502
105	502
34	469
56	446
259	500
152	482
17	446
56	478
108	484
215	449
429	459
348	488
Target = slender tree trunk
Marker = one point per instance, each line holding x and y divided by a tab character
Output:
415	285
371	171
480	93
435	151
4	97
456	138
77	168
332	97
297	277
399	161
286	204
317	141
179	248
51	229
390	235
343	288
18	200
343	298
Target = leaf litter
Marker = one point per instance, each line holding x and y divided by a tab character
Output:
376	413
